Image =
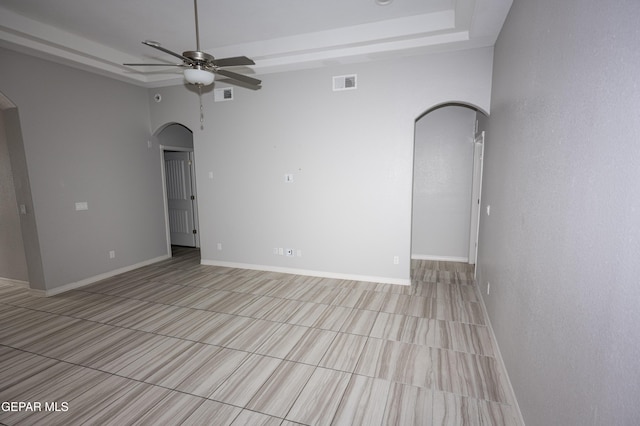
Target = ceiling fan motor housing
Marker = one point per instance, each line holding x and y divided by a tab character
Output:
200	58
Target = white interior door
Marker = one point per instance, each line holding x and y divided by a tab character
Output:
180	197
476	197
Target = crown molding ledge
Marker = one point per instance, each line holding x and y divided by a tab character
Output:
454	29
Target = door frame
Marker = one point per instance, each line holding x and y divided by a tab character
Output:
476	197
165	201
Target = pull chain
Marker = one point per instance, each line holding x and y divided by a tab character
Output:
201	109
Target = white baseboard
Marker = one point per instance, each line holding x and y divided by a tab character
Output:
16	283
440	258
307	272
511	393
96	278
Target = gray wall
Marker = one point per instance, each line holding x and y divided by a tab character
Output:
351	154
561	247
85	139
13	263
442	181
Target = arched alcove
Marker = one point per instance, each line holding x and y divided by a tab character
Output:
443	182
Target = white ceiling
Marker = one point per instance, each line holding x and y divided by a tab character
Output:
280	35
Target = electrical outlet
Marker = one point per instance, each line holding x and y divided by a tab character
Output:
396	260
280	251
289	252
219	245
112	254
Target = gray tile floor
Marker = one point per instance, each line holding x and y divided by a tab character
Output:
182	343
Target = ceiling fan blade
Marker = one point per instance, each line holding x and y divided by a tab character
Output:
156	45
232	62
154	65
240	77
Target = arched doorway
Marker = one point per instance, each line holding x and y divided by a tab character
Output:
20	257
179	185
447	161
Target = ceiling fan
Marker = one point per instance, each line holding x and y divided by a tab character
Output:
200	67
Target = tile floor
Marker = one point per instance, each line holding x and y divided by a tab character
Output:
182	343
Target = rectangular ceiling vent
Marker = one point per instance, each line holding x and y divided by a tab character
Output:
224	94
345	82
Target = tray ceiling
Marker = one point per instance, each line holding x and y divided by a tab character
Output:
279	35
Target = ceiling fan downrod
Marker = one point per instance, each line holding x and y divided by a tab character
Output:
195	8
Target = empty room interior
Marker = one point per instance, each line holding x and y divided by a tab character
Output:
373	212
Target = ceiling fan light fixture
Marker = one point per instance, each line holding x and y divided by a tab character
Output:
198	76
200	67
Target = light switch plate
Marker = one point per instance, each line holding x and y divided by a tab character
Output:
82	205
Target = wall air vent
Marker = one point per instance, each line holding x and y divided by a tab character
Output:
345	82
224	94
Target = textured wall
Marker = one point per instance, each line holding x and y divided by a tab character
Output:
351	155
561	247
442	178
85	139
